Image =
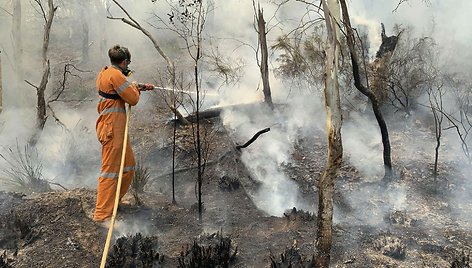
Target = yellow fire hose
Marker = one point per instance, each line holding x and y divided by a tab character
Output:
117	193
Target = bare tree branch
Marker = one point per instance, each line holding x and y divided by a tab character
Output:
254	138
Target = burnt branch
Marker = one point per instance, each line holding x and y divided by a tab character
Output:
254	138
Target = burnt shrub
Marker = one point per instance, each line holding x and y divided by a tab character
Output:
134	251
208	251
291	257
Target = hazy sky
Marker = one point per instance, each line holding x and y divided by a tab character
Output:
451	18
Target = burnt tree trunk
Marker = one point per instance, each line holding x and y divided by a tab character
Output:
436	103
324	238
264	67
368	93
41	115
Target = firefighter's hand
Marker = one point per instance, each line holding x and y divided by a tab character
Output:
145	87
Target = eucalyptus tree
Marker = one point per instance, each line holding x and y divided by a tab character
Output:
324	236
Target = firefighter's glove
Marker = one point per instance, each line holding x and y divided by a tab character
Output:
145	87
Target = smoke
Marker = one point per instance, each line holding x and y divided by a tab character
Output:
232	23
440	20
362	144
266	156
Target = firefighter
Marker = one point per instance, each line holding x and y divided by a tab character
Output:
115	91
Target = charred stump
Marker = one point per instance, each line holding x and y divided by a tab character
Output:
211	250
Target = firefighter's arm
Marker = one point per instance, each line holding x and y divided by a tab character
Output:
127	91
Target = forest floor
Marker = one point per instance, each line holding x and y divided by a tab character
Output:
433	227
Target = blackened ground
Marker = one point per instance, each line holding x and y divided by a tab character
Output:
431	229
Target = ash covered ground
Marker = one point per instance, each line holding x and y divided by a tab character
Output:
414	221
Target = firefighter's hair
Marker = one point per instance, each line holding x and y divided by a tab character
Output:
118	54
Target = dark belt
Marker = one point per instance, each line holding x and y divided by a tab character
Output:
109	96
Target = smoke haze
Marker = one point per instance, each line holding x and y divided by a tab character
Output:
232	24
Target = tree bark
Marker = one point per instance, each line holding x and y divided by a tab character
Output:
264	67
333	126
368	93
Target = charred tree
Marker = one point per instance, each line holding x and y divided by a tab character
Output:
200	22
368	93
380	66
436	102
324	238
41	115
264	67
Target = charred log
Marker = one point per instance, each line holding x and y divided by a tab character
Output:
215	112
211	250
204	115
134	251
291	257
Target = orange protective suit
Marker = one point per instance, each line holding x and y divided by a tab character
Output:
110	132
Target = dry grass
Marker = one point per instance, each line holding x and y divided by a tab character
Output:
140	179
23	171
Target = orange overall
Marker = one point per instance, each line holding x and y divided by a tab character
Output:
110	132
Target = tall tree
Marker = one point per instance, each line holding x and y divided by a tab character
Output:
333	128
367	92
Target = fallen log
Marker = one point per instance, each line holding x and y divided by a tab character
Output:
216	111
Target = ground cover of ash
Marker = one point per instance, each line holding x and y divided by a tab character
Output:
412	222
